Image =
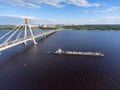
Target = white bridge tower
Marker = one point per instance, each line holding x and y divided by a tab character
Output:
28	26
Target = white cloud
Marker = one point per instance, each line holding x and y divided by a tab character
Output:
105	20
113	8
18	16
57	3
22	3
83	3
19	19
112	17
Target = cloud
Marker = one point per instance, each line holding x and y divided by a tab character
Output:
113	8
105	20
14	19
22	3
112	17
19	19
83	3
18	16
56	3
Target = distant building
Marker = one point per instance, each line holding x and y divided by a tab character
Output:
34	25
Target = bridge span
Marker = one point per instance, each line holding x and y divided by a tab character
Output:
22	34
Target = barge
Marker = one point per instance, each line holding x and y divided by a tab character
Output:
62	52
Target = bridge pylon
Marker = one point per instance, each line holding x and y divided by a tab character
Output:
28	26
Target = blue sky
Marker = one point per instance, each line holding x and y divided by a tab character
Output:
60	11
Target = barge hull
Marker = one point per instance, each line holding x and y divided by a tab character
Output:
61	52
78	54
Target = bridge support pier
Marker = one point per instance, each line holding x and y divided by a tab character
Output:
34	41
45	36
25	43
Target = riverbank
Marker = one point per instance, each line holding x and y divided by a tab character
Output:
71	27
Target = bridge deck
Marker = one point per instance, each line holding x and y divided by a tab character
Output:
10	44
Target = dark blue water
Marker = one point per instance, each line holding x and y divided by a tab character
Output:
31	67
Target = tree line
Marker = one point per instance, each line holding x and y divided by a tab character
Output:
72	27
10	27
92	27
6	27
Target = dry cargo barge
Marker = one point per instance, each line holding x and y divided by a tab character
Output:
60	51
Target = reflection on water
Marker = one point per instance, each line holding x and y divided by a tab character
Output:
33	68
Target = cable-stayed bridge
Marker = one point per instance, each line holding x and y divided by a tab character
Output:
22	34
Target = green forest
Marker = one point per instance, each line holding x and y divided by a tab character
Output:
6	27
92	27
73	27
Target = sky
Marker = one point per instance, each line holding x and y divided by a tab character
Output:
60	11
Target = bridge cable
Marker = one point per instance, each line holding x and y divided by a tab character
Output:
39	30
8	33
12	35
19	34
36	31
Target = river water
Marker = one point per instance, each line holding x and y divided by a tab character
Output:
32	67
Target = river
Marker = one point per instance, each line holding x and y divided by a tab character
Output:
32	67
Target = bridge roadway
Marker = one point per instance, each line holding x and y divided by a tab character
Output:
10	44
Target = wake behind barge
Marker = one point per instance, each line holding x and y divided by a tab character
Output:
60	51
